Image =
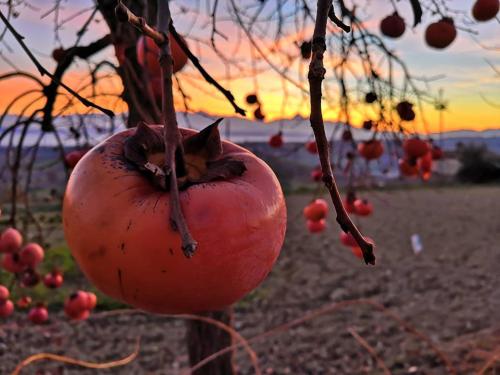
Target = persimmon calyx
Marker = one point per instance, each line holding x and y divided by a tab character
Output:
201	160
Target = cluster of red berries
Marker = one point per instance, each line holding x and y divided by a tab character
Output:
22	262
253	99
418	158
315	214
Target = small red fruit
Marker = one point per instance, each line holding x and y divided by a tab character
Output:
371	150
363	207
485	10
312	147
316	210
31	255
425	163
12	263
6	308
91	300
53	280
58	54
316	226
415	148
24	302
276	140
358	253
73	157
405	111
148	54
29	278
347	135
407	168
393	26
10	241
83	315
4	293
316	174
437	153
348	202
441	34
38	314
347	239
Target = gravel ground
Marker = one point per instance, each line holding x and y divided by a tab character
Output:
449	292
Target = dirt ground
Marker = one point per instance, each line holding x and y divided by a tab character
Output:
449	292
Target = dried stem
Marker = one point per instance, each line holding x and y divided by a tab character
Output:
370	350
315	77
77	362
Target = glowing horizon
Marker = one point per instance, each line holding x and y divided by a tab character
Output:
471	86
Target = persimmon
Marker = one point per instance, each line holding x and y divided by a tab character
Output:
316	226
393	26
415	147
6	308
371	97
276	140
407	167
363	207
347	239
441	34
24	302
116	223
312	147
11	262
4	293
405	111
10	240
370	150
424	163
148	54
38	314
316	210
485	10
53	280
317	174
437	153
31	255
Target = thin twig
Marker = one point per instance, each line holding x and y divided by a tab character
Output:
315	77
44	71
370	350
125	15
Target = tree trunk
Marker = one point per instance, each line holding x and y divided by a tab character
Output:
204	339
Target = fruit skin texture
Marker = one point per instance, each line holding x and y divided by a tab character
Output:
316	226
117	226
371	150
4	293
485	10
415	147
393	26
441	34
6	308
316	210
31	255
10	241
38	315
147	55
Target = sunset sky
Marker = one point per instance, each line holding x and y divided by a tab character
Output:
470	84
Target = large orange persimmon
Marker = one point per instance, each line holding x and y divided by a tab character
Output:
117	226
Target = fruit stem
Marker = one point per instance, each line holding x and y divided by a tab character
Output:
315	76
172	137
